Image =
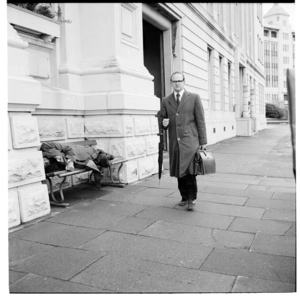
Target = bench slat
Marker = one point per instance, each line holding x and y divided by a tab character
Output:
85	142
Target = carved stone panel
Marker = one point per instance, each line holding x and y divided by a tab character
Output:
129	173
108	126
128	148
51	128
13	208
33	201
142	125
145	167
152	144
25	168
75	127
24	131
9	142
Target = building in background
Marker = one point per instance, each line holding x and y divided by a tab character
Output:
102	76
279	54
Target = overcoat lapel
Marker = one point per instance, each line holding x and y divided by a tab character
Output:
172	101
184	99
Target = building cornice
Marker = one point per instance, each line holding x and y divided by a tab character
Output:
210	25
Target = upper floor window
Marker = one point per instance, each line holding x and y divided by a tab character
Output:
266	33
277	18
273	34
284	23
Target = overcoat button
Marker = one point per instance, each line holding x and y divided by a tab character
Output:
178	139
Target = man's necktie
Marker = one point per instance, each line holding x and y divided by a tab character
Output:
177	98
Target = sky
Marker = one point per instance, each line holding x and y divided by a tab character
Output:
288	7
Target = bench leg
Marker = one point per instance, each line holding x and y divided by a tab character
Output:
114	183
98	179
54	201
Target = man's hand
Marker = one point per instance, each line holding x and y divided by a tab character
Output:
202	147
165	122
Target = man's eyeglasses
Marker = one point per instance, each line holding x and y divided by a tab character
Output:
177	81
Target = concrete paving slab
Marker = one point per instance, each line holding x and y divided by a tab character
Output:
14	276
272	188
78	193
123	274
211	238
251	264
232	176
238	192
61	263
21	249
280	215
146	200
271	203
223	184
40	284
110	207
156	192
250	225
284	196
127	189
179	232
229	210
188	217
273	244
254	285
158	184
132	224
292	231
277	183
235	180
151	249
57	234
223	199
273	179
93	219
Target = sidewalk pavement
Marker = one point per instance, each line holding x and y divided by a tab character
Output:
240	238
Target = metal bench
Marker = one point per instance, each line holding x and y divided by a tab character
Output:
97	177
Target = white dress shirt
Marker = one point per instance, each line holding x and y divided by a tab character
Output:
180	93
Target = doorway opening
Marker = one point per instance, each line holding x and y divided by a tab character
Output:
154	61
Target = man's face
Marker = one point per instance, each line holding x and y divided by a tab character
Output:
177	82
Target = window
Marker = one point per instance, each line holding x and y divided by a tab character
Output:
221	78
266	33
229	87
210	69
273	34
277	18
284	23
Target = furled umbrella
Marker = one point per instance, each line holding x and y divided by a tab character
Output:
160	144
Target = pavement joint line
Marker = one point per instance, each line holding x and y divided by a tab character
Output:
84	268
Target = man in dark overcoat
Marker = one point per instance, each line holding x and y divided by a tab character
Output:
183	115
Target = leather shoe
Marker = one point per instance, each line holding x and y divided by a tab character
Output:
183	202
191	205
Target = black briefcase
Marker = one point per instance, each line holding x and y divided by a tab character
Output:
204	162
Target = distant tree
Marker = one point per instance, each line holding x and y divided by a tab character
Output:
273	111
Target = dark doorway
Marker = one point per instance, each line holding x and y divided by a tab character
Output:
153	56
154	60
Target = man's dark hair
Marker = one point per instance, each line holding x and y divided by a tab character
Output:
177	72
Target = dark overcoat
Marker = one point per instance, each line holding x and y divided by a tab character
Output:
186	129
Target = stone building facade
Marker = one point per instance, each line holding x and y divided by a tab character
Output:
102	76
279	54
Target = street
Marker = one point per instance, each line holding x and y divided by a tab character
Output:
240	237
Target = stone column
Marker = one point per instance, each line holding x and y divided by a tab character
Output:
246	97
28	197
102	59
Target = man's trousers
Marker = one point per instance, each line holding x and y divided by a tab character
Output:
187	186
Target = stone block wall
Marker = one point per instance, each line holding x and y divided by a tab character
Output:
28	197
